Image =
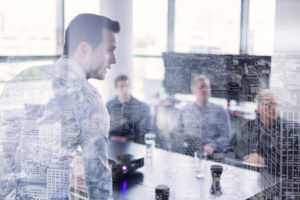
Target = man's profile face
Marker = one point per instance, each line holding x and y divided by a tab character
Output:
268	108
103	56
123	88
201	90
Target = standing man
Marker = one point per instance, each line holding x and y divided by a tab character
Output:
202	124
130	118
50	112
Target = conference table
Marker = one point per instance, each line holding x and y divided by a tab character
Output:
178	172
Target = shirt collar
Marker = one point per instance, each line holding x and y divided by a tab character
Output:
202	108
73	66
117	100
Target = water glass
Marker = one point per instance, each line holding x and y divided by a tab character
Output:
150	143
200	158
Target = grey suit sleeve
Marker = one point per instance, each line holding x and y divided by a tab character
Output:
224	132
177	134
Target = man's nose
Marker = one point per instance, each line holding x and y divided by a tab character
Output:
113	59
204	92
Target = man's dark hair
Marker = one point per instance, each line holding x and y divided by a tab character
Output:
121	77
88	28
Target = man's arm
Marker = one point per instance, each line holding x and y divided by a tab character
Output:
145	123
93	142
247	139
177	134
91	133
109	106
147	119
224	131
97	173
255	158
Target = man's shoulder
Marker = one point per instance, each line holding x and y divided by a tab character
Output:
251	125
215	106
290	125
32	79
137	102
187	108
112	102
35	73
54	71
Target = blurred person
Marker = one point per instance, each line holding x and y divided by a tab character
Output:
130	118
267	117
275	146
202	124
49	112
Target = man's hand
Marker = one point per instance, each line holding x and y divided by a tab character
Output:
256	159
78	182
208	149
119	138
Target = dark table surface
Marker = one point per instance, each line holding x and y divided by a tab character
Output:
178	172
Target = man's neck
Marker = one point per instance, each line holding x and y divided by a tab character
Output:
80	62
201	104
124	99
267	122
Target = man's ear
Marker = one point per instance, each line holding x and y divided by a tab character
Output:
81	55
192	90
84	49
258	109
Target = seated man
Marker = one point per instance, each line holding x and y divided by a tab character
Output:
275	145
202	124
130	118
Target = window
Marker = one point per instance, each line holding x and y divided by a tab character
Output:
203	26
149	26
150	40
261	27
148	74
75	7
27	27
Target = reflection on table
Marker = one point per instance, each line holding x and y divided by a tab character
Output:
178	172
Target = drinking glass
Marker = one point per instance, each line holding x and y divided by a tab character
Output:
150	143
200	158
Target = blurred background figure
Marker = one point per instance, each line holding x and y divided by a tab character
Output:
202	124
274	144
130	118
